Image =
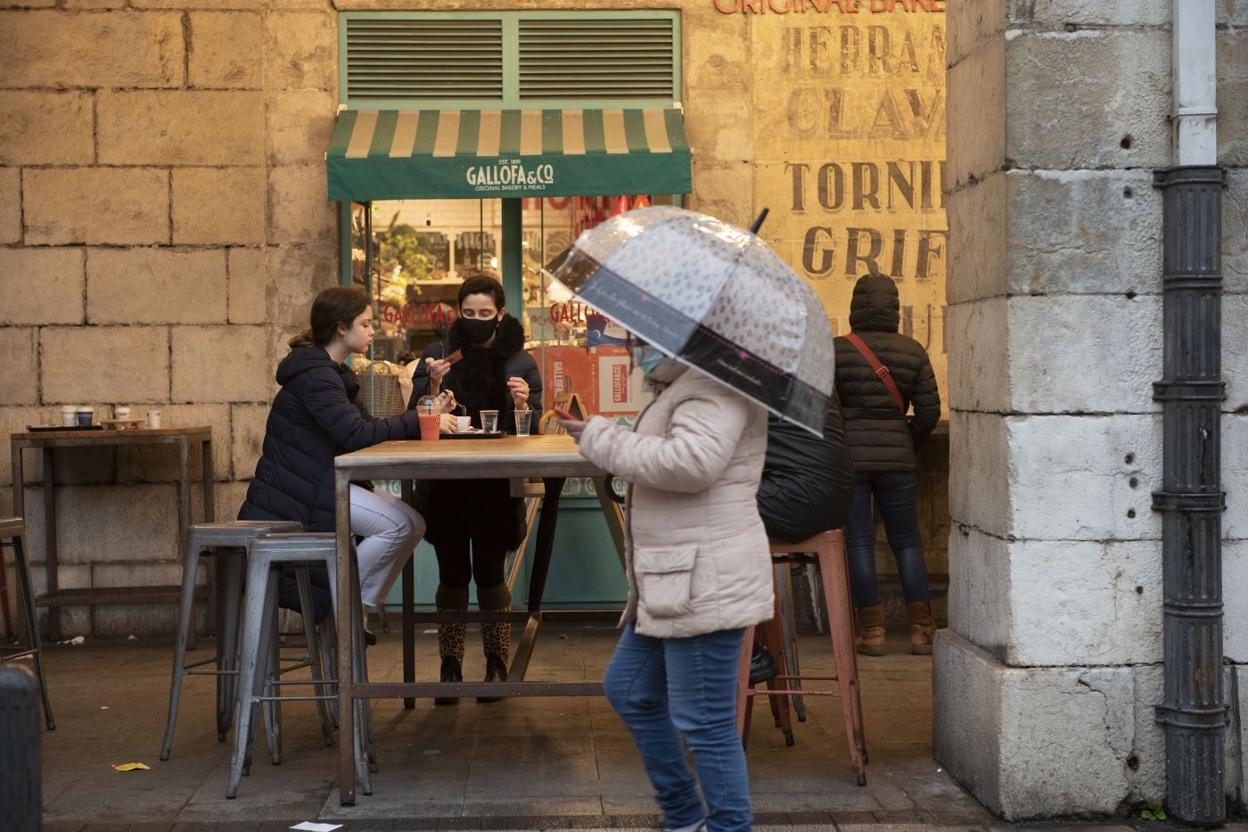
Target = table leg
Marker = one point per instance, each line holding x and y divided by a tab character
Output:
545	543
184	516
49	539
346	641
537	578
409	604
409	628
210	504
15	451
614	515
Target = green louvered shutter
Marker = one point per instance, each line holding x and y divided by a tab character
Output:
414	58
521	60
597	58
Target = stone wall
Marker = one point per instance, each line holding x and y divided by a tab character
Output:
1046	680
163	226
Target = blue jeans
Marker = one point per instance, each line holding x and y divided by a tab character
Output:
894	492
668	688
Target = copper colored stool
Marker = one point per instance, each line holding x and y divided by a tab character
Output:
828	550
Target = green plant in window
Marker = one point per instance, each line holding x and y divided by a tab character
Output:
400	253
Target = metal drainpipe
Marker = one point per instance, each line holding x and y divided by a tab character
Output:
1194	713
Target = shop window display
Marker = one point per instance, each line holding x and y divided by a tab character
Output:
423	249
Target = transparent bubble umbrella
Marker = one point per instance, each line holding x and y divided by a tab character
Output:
713	296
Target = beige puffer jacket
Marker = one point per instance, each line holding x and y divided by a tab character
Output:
697	556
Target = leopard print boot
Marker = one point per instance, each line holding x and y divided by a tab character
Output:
495	638
451	639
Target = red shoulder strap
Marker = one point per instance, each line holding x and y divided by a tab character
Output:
880	370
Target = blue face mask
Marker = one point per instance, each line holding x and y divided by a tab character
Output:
648	358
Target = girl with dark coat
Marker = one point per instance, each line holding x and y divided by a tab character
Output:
316	416
473	524
881	440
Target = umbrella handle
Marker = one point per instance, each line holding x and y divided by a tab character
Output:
758	222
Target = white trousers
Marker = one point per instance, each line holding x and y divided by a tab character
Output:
391	529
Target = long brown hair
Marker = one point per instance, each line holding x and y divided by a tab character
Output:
337	305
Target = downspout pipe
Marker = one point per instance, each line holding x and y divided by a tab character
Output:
1194	712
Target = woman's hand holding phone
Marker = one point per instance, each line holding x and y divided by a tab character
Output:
574	426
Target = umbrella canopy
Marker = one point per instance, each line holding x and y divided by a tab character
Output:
716	298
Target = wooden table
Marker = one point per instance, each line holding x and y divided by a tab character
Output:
550	458
48	442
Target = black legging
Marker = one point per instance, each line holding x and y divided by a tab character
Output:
456	567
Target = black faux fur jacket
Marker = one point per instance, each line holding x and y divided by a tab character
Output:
479	381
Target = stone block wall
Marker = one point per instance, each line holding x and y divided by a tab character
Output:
1047	677
163	227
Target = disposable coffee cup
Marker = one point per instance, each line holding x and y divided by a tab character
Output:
463	424
121	412
522	422
84	416
489	421
153	418
69	415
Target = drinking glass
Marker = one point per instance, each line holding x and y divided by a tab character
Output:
489	421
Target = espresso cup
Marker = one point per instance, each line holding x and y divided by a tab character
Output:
463	424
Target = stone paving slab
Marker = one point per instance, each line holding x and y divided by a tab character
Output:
524	764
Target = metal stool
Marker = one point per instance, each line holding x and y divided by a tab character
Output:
228	542
265	554
11	531
828	550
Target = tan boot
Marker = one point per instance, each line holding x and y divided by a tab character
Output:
922	628
870	641
495	637
451	639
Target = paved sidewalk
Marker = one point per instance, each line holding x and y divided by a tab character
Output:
518	764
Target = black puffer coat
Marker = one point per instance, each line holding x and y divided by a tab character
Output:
806	480
880	436
314	418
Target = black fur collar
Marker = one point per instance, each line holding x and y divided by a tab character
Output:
508	340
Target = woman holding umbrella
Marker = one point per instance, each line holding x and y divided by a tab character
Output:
697	557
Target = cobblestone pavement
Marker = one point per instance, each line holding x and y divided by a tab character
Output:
521	764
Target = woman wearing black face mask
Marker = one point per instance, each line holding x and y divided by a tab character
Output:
472	524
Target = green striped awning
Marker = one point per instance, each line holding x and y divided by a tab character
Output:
411	154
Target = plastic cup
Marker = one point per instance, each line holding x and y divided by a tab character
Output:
522	422
489	421
430	426
69	416
84	416
463	424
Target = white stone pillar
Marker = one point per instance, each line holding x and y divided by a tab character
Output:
1046	679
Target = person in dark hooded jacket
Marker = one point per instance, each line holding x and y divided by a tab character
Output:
473	524
316	416
882	439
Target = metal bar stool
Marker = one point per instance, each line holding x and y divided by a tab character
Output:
828	550
11	531
265	555
227	542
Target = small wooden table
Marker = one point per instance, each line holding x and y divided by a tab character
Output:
550	458
49	441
